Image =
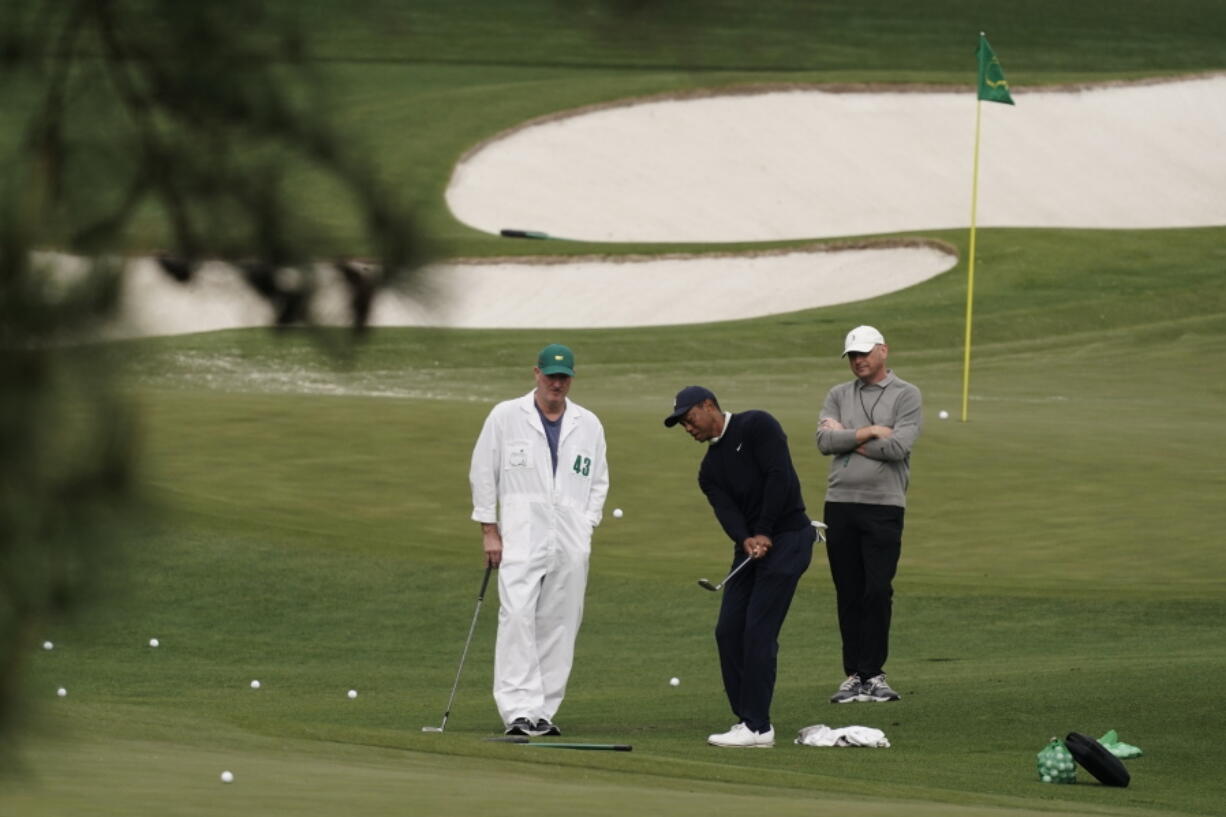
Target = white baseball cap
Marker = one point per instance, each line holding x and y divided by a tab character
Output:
862	339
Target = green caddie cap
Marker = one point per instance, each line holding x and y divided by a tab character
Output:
556	359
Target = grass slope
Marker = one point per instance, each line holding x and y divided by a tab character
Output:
788	35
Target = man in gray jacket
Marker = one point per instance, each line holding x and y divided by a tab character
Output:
868	426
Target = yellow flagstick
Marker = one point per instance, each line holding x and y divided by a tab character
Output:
993	88
970	270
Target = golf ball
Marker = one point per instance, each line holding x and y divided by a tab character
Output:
61	692
227	776
153	642
674	682
255	684
353	693
943	414
617	513
47	645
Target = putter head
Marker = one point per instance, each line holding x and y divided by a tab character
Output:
705	584
432	729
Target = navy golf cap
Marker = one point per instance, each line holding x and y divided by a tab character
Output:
687	398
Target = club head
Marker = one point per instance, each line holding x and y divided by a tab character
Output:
432	729
705	584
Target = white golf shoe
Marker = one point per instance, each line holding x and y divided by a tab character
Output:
742	737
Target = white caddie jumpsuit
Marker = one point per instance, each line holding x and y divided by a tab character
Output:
546	521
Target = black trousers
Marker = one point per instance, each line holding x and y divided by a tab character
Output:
863	544
755	603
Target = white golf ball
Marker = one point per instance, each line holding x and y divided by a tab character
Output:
61	692
153	642
943	414
47	645
617	513
255	684
227	776
674	682
353	693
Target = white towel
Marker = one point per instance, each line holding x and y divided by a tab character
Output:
823	735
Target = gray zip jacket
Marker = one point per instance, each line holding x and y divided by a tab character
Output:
880	475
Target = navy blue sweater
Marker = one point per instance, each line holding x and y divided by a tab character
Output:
749	479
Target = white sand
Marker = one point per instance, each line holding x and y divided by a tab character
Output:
216	298
813	164
770	166
599	293
525	294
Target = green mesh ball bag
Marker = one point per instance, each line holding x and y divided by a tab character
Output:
1055	763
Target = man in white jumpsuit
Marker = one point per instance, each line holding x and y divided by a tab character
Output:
539	481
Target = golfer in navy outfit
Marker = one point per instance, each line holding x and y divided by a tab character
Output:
748	477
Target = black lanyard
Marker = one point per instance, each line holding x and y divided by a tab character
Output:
867	411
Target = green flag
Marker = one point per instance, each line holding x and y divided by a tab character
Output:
992	84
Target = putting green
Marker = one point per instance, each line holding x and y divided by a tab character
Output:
306	778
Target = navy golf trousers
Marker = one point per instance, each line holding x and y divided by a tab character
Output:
755	603
863	544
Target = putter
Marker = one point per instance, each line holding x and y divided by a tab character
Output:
471	628
705	584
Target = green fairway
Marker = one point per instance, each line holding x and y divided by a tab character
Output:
309	517
1060	563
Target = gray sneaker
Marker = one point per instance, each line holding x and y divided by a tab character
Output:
848	691
876	689
544	728
519	726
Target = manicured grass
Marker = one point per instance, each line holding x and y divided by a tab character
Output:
291	776
783	35
1060	570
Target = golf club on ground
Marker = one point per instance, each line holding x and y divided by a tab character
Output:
705	584
471	627
524	740
605	747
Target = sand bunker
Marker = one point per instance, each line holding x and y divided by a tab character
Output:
781	164
639	291
649	292
812	164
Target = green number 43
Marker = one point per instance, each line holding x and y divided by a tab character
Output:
582	466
